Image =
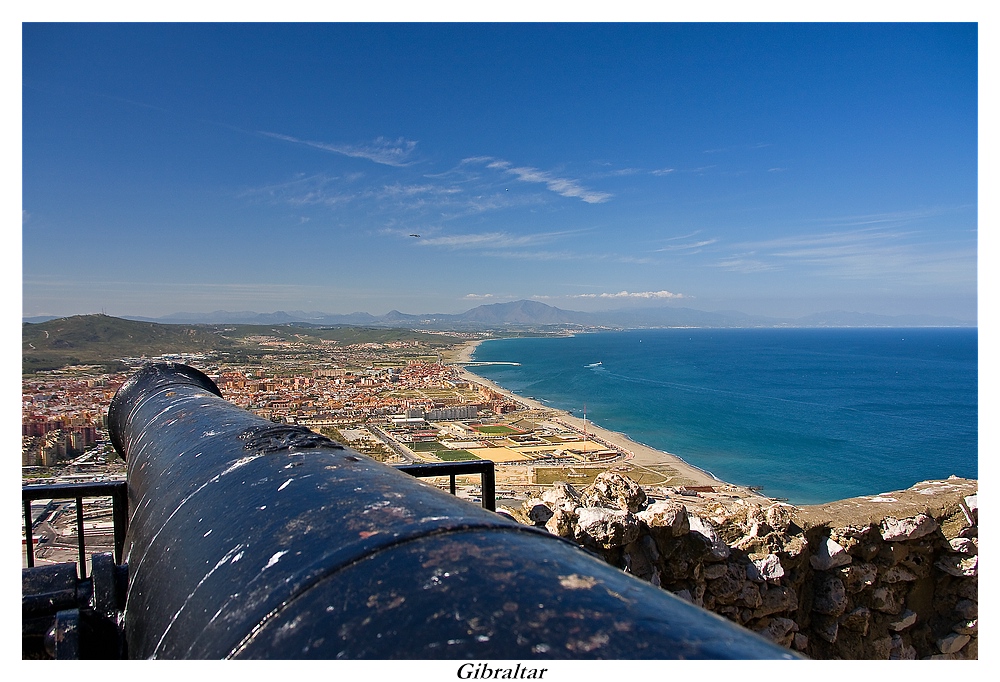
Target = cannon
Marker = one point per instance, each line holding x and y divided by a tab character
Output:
249	539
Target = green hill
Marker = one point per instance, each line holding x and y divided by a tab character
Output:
104	340
101	340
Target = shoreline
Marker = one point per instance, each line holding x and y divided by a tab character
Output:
639	455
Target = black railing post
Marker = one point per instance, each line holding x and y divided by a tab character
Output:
29	544
483	467
116	490
81	545
119	512
489	486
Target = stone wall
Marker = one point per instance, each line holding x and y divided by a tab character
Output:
888	577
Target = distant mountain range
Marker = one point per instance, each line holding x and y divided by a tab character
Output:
532	314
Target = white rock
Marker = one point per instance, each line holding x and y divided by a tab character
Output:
829	555
907	620
561	495
894	530
718	549
671	517
963	546
605	528
972	505
767	568
952	643
779	516
611	489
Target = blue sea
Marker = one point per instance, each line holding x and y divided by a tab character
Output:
812	415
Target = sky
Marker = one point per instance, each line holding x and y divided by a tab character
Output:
776	169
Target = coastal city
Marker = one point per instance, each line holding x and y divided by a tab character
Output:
397	402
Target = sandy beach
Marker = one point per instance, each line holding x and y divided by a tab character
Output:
640	456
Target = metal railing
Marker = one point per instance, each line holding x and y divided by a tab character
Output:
116	490
483	467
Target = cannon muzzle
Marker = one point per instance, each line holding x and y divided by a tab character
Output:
250	539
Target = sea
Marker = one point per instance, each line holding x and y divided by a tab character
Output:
809	415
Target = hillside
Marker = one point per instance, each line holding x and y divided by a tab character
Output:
103	340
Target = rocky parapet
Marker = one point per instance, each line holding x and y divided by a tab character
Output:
888	577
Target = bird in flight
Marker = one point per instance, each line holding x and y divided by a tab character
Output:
415	235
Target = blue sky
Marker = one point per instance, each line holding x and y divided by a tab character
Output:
778	169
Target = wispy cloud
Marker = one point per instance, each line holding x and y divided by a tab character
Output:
478	297
332	191
384	151
691	247
745	264
620	173
685	243
632	294
566	187
662	171
491	240
304	190
561	186
890	217
868	253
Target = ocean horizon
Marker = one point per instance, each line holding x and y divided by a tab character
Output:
810	415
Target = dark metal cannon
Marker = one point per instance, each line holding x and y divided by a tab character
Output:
250	539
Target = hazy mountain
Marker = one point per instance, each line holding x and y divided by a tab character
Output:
526	313
522	312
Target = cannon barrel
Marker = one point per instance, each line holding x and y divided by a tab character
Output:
250	539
